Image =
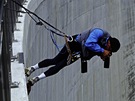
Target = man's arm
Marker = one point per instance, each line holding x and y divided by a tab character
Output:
92	41
105	55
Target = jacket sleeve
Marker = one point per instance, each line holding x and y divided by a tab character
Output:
92	41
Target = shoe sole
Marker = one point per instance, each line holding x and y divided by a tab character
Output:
30	82
26	72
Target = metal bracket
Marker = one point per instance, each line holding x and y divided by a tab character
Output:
15	84
13	58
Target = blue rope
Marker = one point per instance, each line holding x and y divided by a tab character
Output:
54	41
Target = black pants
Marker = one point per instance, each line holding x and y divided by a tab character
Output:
60	61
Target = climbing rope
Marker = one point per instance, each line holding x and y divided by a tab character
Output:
41	22
53	40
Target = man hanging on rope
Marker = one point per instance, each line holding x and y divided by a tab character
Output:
87	44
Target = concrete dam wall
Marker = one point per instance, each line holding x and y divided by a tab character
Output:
74	16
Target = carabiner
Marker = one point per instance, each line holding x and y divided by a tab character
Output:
70	38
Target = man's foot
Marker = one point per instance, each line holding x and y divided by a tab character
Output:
32	81
28	87
28	71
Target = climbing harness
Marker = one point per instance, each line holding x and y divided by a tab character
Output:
69	51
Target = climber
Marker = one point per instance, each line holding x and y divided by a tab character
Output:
87	44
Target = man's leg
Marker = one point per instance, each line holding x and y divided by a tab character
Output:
63	54
55	69
47	62
51	71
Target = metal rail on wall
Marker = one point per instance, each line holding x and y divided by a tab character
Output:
8	20
1	34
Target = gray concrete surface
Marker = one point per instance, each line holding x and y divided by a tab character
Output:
17	69
18	93
72	17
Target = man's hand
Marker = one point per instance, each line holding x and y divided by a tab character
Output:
105	54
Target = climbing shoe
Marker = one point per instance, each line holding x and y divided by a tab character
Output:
33	81
28	71
28	88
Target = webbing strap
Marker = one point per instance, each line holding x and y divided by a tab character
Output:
69	51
